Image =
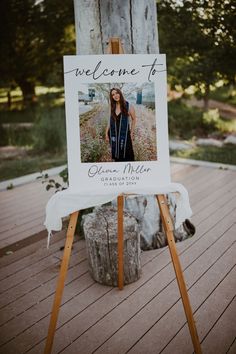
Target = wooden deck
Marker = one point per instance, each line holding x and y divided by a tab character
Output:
22	215
147	316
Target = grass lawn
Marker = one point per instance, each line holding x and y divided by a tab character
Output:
29	164
225	154
18	113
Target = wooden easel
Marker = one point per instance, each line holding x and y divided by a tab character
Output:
115	47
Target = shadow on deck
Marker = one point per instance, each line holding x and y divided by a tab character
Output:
147	316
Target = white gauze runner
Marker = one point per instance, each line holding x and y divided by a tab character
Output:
63	203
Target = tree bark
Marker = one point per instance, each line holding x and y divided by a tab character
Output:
206	97
9	99
100	230
134	21
28	91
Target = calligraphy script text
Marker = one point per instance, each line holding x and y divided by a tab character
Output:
99	71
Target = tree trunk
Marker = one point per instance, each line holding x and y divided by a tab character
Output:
206	97
133	21
28	91
100	230
9	99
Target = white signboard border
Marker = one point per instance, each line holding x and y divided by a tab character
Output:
116	177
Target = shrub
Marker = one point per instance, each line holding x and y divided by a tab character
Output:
211	118
225	154
49	131
3	135
186	122
16	135
25	115
225	93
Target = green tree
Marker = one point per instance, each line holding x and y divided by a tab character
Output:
57	30
199	39
18	47
35	34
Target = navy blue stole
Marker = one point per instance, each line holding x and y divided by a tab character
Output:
118	135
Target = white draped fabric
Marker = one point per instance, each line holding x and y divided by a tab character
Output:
63	203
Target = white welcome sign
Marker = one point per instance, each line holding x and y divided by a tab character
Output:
116	122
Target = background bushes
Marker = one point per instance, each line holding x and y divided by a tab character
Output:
49	133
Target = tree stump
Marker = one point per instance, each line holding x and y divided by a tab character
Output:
100	230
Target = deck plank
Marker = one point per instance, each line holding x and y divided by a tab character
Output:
45	294
218	341
37	252
31	214
139	319
217	266
79	323
22	220
22	213
29	250
208	198
219	300
40	278
232	347
147	316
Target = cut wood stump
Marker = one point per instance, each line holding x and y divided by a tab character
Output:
100	230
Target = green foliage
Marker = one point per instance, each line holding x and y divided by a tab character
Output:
44	136
35	35
187	122
3	135
225	154
211	118
25	115
225	94
51	183
199	40
64	175
29	164
79	226
35	124
49	131
184	121
16	135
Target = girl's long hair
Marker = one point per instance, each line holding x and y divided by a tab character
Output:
123	107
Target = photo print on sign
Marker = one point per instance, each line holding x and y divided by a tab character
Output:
116	122
117	132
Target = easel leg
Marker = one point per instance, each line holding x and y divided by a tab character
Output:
61	281
168	226
120	205
115	47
